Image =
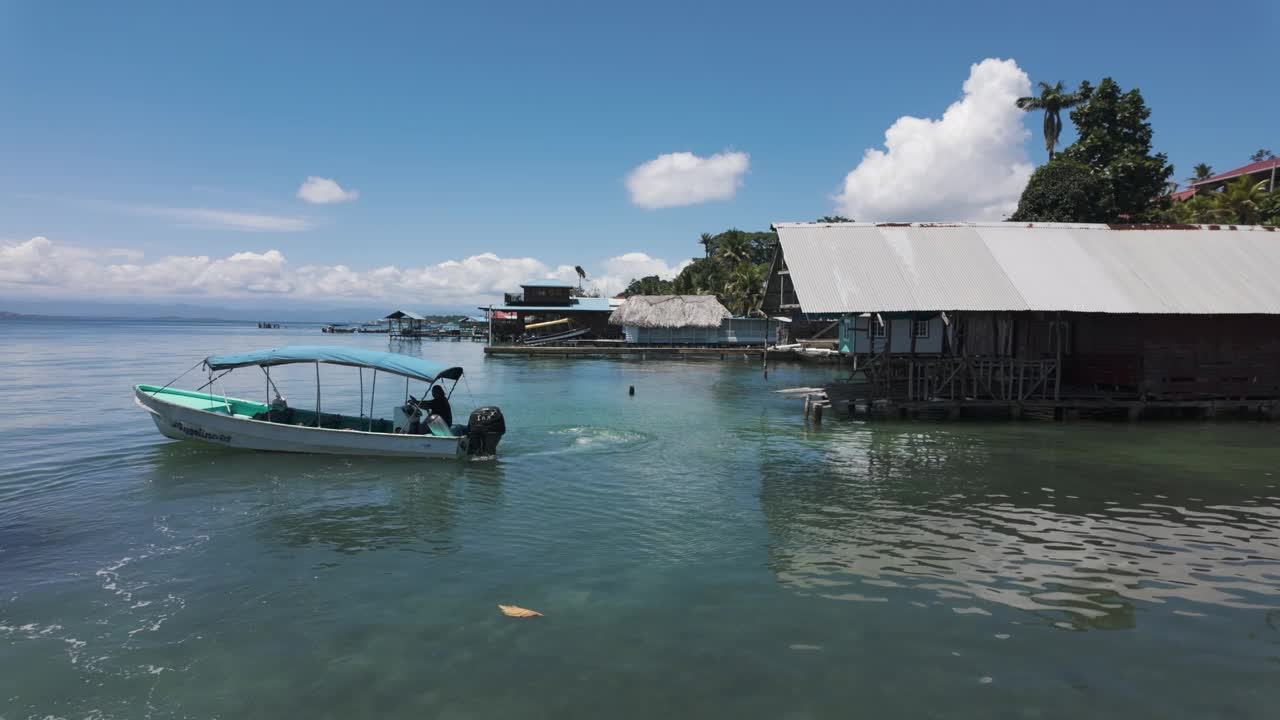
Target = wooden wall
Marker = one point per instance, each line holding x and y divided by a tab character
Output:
1159	356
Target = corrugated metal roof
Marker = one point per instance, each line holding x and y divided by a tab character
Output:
900	267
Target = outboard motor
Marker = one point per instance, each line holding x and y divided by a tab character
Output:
485	429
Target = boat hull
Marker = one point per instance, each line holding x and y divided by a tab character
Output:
184	423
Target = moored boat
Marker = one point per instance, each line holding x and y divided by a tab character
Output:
276	426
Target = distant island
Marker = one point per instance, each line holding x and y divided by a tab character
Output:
6	315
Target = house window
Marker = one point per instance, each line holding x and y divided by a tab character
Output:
921	329
877	329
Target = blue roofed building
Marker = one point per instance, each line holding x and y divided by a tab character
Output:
547	311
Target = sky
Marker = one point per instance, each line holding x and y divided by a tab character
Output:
433	155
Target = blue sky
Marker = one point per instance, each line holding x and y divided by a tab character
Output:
135	132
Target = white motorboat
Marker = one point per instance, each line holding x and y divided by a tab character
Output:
275	425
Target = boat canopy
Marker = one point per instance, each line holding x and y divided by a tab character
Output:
403	365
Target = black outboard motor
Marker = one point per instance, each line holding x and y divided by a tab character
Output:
485	429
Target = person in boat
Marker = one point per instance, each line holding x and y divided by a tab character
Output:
439	405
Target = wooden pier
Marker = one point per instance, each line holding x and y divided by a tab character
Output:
441	337
643	352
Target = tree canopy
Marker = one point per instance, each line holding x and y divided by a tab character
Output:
1115	144
648	285
1063	191
734	270
1262	154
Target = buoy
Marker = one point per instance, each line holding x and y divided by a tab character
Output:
631	390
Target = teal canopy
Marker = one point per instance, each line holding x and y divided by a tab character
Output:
410	367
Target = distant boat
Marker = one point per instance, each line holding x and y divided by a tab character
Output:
275	425
340	329
268	326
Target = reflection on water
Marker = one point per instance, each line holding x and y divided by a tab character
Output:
969	518
348	505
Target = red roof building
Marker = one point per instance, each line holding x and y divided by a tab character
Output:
1259	171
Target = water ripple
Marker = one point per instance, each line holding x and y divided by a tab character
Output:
876	515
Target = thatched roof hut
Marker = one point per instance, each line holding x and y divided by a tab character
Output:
670	311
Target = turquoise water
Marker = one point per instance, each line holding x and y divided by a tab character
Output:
697	552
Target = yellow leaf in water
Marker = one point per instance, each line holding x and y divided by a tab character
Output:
517	611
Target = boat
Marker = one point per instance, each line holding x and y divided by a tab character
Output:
275	425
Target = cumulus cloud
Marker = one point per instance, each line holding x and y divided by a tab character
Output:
40	266
618	271
322	191
682	178
229	219
971	164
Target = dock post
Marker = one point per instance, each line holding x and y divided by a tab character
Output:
817	413
843	408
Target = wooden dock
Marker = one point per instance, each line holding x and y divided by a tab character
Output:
842	406
643	352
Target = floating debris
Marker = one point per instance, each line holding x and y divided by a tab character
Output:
517	611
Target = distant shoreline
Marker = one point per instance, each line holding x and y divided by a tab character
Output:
4	315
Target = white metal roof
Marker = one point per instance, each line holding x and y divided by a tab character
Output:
863	267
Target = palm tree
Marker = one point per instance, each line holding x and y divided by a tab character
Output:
733	249
1052	101
745	289
1201	172
1240	201
708	244
582	275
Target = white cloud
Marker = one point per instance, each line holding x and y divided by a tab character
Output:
969	165
618	271
42	267
45	268
683	178
230	219
322	191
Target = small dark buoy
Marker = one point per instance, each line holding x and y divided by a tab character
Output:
631	390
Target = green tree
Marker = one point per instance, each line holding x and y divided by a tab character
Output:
1052	100
1199	209
832	219
1063	191
648	285
1262	154
1269	208
1115	144
726	254
733	248
1201	172
1241	201
744	292
703	276
708	242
